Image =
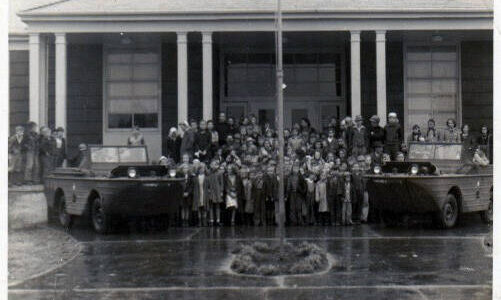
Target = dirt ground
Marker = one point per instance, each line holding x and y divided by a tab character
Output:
36	250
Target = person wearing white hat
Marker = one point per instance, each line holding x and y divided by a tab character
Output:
172	145
393	136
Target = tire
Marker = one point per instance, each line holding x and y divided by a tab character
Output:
486	215
100	220
65	219
448	215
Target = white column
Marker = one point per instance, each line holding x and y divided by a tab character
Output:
207	74
182	77
61	80
44	82
34	77
356	106
381	74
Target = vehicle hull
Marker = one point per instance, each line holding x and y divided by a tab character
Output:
120	196
425	194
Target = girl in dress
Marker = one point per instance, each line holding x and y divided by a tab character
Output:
187	202
231	192
246	195
431	132
310	199
321	199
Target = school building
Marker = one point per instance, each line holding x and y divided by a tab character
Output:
97	67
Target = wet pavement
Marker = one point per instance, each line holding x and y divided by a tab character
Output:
371	262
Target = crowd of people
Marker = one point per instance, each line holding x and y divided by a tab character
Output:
230	168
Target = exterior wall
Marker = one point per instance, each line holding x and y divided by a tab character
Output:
368	83
477	84
394	79
18	88
169	88
85	96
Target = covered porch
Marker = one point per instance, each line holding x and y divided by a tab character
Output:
99	74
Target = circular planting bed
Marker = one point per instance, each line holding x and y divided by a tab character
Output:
270	260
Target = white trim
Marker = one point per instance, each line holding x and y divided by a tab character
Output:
311	22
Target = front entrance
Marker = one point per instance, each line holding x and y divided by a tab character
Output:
314	79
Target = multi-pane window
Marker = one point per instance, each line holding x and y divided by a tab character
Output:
305	74
132	83
431	84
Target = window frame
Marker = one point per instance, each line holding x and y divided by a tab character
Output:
134	49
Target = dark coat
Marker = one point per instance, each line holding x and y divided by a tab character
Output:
376	134
203	142
393	134
223	130
172	148
188	143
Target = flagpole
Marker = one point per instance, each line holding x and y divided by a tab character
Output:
280	121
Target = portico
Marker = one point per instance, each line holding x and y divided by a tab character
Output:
162	65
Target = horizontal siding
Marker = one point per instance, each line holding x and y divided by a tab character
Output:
85	96
18	88
477	84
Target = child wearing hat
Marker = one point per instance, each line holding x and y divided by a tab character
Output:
393	135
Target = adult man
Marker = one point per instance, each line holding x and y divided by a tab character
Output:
32	167
376	133
17	152
81	160
222	128
59	147
360	138
46	149
393	136
188	140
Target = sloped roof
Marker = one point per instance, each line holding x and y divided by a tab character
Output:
137	7
16	26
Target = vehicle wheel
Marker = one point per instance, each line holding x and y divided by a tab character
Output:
101	222
389	219
448	214
486	215
65	219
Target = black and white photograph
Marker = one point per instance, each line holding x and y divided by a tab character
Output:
250	149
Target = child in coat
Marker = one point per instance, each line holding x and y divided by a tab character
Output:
187	202
310	199
258	193
200	195
321	199
270	187
295	190
216	188
346	210
332	187
246	195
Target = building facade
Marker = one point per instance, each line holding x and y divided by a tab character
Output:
97	68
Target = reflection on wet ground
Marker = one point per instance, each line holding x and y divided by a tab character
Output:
374	262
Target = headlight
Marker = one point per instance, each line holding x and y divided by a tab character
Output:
132	172
172	173
377	170
414	170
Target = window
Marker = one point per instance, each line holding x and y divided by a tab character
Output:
305	74
431	85
132	84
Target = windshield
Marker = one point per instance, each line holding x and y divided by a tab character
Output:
118	154
436	151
